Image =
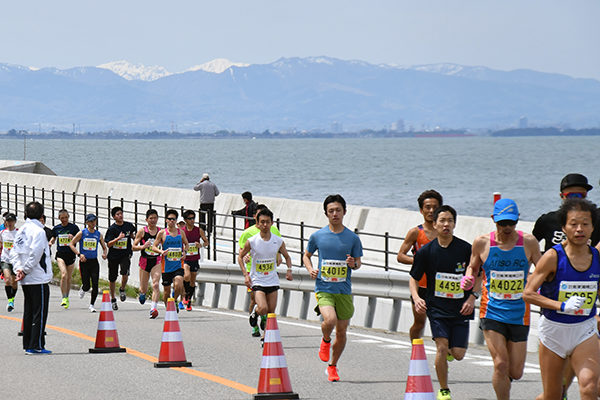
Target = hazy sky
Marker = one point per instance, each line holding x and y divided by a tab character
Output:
543	35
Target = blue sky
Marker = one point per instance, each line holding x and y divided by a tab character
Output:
549	35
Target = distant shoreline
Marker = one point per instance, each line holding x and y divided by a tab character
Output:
526	132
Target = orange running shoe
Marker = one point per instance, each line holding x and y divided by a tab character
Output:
324	350
332	373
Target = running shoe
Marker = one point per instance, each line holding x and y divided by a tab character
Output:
122	294
185	301
255	332
188	306
63	302
153	313
263	322
115	307
444	394
142	298
91	308
332	373
10	306
81	293
181	306
324	350
449	357
253	318
36	351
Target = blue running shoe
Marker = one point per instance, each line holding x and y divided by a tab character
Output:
142	298
36	351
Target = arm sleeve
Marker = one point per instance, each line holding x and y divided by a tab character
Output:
198	186
217	191
311	247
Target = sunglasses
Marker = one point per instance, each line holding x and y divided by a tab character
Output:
575	195
190	218
506	222
170	219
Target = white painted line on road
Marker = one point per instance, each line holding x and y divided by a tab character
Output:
366	341
395	346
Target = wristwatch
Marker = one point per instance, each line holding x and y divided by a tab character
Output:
476	295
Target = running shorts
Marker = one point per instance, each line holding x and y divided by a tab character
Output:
456	330
511	332
67	257
113	267
561	338
266	289
344	308
194	265
168	277
148	263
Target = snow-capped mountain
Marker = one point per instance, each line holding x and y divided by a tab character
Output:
136	72
216	66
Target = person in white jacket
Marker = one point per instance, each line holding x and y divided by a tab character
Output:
31	262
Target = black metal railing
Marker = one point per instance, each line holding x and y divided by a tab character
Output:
223	237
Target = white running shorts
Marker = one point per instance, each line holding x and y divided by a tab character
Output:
563	338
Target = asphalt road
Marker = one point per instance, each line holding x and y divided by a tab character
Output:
226	359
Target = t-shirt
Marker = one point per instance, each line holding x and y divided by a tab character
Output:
61	233
444	268
122	247
334	275
547	227
7	238
248	233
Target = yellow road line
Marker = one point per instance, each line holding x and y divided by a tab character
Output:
143	356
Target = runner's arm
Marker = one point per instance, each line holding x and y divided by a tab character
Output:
288	260
158	241
104	248
475	262
74	241
532	246
420	305
245	251
204	239
544	272
308	265
138	238
409	242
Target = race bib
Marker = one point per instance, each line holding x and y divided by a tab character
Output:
148	250
174	254
448	286
265	267
63	240
192	249
121	244
334	271
90	244
8	245
507	285
587	290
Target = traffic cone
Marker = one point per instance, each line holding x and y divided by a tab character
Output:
418	383
107	340
172	353
274	380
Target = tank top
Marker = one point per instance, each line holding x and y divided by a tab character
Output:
193	236
148	237
505	277
88	244
8	239
568	282
421	241
264	266
174	245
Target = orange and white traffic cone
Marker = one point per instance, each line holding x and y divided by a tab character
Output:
418	383
274	380
107	340
172	353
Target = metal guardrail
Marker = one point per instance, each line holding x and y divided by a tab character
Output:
377	284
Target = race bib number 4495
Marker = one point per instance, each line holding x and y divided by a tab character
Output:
448	286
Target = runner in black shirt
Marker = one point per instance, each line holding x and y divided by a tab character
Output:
63	233
118	239
449	308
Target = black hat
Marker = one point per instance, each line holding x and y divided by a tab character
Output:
575	180
10	217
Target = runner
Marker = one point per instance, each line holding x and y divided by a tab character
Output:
263	278
7	239
65	258
247	234
174	248
505	255
340	251
448	307
192	259
118	240
149	260
568	275
416	238
89	268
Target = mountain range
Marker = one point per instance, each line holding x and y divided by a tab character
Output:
291	93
